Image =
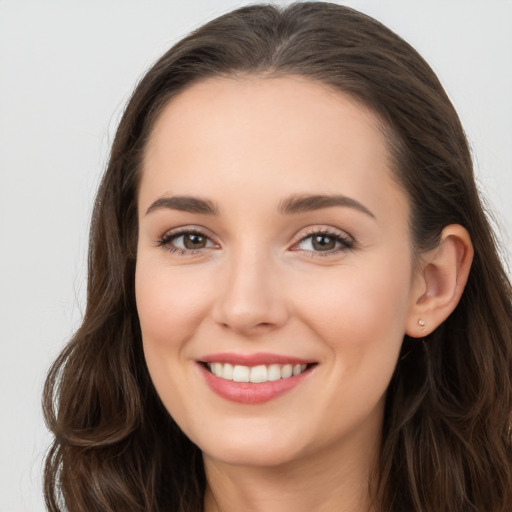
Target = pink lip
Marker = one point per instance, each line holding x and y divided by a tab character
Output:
248	392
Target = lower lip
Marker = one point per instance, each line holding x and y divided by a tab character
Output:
249	392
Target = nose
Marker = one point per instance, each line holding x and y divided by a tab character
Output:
251	298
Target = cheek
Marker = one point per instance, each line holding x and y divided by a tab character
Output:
363	325
169	304
358	300
360	314
170	308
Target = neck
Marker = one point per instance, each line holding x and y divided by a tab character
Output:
323	482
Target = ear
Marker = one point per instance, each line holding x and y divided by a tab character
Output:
440	281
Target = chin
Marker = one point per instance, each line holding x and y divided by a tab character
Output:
254	456
253	449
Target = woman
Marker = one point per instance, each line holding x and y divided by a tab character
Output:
295	299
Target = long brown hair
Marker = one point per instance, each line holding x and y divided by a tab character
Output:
447	427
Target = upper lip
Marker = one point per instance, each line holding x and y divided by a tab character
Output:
256	359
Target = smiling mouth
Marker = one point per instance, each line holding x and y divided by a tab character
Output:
256	374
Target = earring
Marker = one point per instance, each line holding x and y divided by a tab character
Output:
421	323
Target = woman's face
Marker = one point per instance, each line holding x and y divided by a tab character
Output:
273	241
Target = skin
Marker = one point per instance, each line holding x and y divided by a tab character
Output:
259	285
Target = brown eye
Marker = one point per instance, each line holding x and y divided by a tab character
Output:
186	242
323	242
194	241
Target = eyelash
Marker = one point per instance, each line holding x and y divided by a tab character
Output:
346	242
166	239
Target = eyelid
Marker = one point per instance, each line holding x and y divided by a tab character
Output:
346	240
342	237
166	238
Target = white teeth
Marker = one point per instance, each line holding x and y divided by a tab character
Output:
258	374
274	372
286	371
240	373
299	368
227	371
255	374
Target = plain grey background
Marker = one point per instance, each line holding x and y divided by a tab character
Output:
67	68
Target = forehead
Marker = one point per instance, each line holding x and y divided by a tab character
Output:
278	136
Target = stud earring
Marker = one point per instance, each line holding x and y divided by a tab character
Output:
421	322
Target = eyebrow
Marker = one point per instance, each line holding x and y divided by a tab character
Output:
307	203
185	204
290	206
